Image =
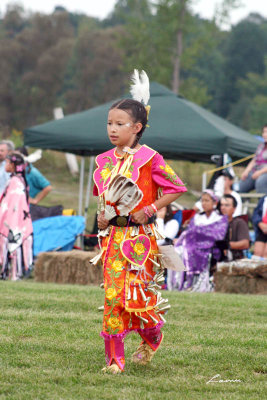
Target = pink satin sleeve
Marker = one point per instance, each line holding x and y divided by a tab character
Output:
165	177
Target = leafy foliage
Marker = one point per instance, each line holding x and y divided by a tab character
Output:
76	61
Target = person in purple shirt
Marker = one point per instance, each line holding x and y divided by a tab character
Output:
255	174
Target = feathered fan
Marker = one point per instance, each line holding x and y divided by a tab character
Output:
122	195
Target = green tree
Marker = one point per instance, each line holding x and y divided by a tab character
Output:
244	53
250	111
94	70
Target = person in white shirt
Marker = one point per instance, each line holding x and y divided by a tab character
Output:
169	227
5	147
227	180
228	183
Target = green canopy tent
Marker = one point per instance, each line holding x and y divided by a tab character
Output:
178	129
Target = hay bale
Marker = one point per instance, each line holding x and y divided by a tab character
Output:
68	267
243	276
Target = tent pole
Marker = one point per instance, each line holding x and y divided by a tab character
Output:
204	181
88	190
80	244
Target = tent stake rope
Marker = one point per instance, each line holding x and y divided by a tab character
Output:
205	173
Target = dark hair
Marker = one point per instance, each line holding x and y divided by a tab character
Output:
227	174
264	126
169	214
229	196
17	159
137	111
22	150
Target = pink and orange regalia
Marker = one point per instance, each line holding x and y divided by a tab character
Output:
16	232
133	269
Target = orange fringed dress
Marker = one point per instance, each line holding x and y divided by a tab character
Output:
129	305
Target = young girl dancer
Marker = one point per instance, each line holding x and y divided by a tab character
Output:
133	268
15	221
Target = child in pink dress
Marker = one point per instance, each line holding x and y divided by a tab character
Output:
132	265
15	222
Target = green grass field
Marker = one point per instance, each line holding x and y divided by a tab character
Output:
50	347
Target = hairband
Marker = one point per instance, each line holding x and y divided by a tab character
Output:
211	194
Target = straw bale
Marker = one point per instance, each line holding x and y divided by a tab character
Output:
68	267
244	276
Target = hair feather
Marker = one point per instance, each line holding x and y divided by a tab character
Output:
140	86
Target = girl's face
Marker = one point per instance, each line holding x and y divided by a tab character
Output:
9	166
264	134
207	202
121	128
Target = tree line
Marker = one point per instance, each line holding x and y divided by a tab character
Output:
74	61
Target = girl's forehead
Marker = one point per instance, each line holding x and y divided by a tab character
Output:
116	113
206	196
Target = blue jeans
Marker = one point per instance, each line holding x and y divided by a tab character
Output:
249	184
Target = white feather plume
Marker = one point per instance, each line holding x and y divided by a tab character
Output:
140	87
32	158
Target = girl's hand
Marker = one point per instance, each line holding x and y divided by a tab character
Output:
139	217
32	201
244	176
102	222
256	175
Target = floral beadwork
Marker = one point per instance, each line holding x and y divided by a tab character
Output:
117	266
169	174
118	237
111	293
139	248
114	278
107	168
113	323
136	250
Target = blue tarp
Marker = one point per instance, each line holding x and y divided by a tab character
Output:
56	233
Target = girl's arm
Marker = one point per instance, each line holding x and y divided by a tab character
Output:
140	217
248	169
259	173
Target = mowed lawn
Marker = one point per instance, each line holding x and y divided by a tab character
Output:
50	347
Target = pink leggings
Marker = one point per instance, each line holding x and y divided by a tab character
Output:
114	344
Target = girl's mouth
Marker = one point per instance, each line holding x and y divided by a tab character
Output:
113	137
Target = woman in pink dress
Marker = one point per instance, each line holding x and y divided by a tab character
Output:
16	233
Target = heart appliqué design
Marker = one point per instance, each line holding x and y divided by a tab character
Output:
136	250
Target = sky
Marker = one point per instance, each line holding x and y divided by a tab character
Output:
101	8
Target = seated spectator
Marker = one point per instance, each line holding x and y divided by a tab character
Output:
39	186
228	189
15	221
196	243
255	174
259	220
5	147
169	227
237	236
228	180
